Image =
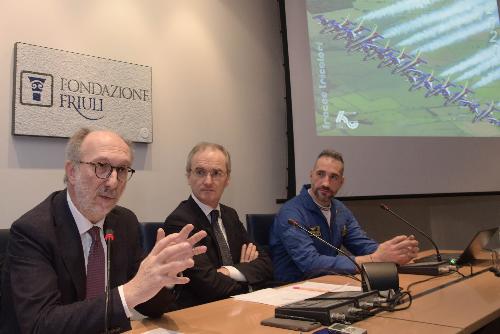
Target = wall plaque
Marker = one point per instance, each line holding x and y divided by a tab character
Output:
56	92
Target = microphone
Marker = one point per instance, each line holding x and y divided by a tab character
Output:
386	208
108	237
381	276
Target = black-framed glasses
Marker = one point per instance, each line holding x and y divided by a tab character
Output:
202	173
103	170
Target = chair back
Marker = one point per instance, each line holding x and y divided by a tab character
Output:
258	226
149	235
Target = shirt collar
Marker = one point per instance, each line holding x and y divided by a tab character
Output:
205	208
321	207
82	223
309	201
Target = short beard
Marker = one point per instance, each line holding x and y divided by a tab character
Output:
319	196
87	208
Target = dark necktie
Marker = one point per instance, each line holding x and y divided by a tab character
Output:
95	265
221	241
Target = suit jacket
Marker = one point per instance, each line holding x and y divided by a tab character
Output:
44	279
206	284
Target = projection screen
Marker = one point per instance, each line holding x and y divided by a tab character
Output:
408	91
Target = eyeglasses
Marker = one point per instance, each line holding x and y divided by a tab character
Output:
215	174
103	170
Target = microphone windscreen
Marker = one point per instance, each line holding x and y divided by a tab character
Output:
109	235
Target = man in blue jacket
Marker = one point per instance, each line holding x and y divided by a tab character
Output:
297	256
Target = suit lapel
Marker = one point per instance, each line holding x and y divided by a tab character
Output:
207	226
200	216
70	242
123	257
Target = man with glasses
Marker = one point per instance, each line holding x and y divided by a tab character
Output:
298	256
232	263
55	274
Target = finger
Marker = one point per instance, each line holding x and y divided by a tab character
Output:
178	251
399	238
174	252
160	235
253	249
243	253
176	280
223	271
249	248
184	233
199	250
405	244
195	238
181	236
173	268
414	252
250	252
162	242
395	240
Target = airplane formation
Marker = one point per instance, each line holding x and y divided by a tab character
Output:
367	41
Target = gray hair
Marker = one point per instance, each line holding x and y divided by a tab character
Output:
73	148
204	146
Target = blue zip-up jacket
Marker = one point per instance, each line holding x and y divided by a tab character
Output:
297	256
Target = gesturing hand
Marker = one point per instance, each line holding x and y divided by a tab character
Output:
400	249
171	255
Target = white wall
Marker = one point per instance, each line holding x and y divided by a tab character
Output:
217	76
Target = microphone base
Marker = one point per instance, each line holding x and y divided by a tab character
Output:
380	276
447	257
329	308
425	268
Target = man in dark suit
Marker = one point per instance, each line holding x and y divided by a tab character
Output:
54	277
232	264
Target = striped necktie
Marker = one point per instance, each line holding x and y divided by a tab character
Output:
227	260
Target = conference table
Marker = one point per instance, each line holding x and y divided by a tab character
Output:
451	303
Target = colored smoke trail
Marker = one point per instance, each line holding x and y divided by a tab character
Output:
459	35
450	24
477	58
492	62
398	8
490	77
431	18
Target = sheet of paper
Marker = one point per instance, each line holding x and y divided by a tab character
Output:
293	293
161	331
323	287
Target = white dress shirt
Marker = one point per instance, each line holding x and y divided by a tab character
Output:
84	225
233	272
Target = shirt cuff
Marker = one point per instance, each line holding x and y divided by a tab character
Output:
235	274
128	313
132	314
